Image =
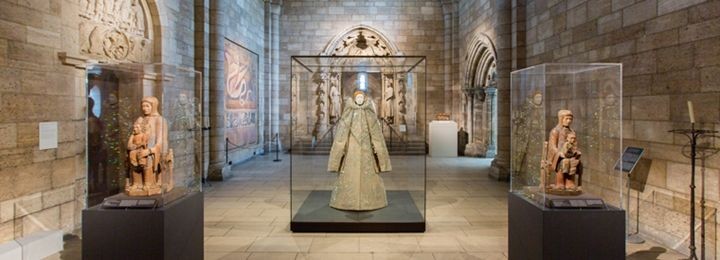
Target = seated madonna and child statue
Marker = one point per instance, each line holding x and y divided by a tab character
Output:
150	160
561	157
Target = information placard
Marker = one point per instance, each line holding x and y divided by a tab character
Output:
48	135
629	159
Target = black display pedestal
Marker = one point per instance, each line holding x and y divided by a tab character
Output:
316	215
174	231
542	233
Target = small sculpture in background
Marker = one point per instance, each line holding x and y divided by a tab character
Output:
389	101
151	159
442	116
334	103
562	158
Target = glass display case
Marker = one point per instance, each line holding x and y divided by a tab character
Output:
358	144
144	142
566	134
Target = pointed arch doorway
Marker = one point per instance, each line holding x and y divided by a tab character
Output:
480	97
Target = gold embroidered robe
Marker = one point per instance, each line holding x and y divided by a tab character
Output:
358	154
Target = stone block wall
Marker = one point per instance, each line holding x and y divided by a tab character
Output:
670	54
41	189
493	22
415	26
47	189
242	22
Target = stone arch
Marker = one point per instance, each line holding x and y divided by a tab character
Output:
481	55
480	77
361	40
120	30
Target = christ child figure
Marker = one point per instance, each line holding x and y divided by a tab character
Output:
138	142
571	155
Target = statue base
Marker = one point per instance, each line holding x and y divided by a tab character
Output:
536	232
567	199
563	192
144	192
173	231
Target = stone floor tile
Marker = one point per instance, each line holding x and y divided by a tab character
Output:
403	256
228	244
335	244
273	256
389	244
281	244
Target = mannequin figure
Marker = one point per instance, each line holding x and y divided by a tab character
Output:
358	154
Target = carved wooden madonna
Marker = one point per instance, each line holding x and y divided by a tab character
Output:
116	30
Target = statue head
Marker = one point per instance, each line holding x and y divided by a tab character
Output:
537	98
149	106
571	138
137	128
359	97
565	118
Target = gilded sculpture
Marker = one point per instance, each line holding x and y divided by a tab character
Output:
358	155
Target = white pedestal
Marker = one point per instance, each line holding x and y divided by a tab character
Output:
41	244
10	250
443	139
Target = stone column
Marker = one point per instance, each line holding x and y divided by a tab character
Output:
202	64
451	56
218	169
272	66
503	20
491	101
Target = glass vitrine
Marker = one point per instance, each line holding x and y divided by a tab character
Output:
566	134
144	143
358	144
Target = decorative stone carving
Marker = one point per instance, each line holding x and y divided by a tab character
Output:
321	105
361	40
119	30
362	43
402	102
335	98
388	102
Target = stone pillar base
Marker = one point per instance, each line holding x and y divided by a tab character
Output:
498	172
219	172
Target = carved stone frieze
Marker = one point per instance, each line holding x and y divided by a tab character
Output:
116	30
362	43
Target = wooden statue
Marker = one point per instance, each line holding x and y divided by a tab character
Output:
149	156
563	158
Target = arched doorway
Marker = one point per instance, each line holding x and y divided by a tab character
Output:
393	92
480	98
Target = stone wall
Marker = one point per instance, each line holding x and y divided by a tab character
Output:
46	189
670	54
493	22
415	26
242	22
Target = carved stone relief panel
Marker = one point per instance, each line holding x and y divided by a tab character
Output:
360	41
117	30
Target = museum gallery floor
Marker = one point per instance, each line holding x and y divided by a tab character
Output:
247	217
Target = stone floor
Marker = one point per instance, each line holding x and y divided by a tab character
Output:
248	217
